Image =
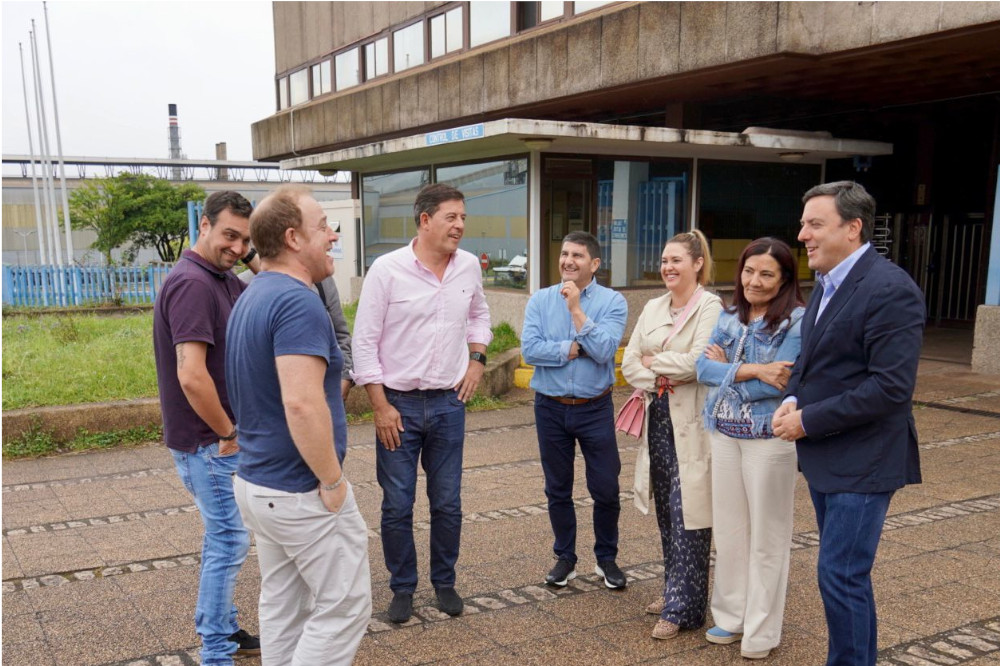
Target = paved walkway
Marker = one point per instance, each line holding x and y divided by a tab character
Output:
100	557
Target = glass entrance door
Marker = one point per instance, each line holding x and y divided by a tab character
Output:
566	207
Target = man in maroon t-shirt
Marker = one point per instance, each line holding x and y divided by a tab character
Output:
189	341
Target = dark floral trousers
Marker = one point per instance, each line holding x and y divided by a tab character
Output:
685	552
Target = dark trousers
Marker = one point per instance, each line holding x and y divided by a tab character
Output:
434	431
685	552
559	428
850	526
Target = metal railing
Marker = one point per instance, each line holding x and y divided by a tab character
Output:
48	286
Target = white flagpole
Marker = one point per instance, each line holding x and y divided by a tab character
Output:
42	258
62	166
49	198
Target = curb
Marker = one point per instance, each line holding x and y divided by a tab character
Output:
63	422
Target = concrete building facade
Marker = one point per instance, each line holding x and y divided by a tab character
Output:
634	120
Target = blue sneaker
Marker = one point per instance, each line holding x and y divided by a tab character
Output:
720	636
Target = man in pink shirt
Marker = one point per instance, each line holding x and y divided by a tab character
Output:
420	339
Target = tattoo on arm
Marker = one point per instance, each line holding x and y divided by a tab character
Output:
180	356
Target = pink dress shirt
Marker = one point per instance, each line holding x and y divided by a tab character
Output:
412	330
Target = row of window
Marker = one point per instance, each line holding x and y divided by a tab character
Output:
735	202
450	28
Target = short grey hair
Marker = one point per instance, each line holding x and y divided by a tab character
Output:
852	201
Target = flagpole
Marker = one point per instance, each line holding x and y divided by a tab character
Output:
55	251
42	259
62	166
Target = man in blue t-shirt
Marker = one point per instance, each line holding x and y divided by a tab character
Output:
189	342
283	371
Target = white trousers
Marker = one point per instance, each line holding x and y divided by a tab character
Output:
315	588
753	491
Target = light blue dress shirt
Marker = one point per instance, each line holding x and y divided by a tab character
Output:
549	333
831	281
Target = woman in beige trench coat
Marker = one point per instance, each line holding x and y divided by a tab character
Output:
674	455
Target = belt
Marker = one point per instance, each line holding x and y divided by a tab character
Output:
420	393
568	400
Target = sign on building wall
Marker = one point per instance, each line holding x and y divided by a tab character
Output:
619	230
457	134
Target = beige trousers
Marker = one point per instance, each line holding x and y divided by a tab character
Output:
315	588
753	489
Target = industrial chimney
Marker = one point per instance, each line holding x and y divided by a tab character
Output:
220	154
175	141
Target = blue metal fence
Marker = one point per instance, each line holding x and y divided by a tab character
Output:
45	286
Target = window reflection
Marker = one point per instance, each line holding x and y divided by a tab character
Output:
640	206
446	32
348	72
321	83
377	58
741	201
283	93
496	206
580	7
408	47
488	21
298	87
387	200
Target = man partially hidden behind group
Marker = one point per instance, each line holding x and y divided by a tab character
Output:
189	342
283	368
849	404
571	334
420	339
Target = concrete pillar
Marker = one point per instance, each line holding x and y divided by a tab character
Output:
986	344
534	221
625	220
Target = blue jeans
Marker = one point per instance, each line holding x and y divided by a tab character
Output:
209	479
850	525
559	428
434	432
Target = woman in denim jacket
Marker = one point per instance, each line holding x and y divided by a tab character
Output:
747	365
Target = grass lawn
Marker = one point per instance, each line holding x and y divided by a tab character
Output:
69	359
78	358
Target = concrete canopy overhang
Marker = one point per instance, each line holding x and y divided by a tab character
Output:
512	136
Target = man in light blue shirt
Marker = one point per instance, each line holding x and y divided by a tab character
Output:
571	333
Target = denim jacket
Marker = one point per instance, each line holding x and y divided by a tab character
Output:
750	401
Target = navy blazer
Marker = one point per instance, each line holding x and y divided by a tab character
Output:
854	381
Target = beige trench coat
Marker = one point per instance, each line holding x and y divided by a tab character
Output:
676	362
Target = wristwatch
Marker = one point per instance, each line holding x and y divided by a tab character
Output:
478	356
250	255
230	437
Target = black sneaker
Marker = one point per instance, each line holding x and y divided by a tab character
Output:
614	578
401	607
563	572
249	645
449	602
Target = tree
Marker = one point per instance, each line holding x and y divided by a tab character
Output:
100	206
161	222
137	209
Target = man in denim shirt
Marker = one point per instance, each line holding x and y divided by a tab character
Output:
571	333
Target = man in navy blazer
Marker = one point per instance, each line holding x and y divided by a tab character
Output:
849	404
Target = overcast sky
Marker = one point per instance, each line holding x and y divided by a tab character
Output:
118	65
